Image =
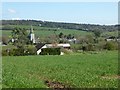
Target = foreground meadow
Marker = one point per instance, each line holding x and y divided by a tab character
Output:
82	70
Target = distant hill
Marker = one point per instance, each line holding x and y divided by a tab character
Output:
84	27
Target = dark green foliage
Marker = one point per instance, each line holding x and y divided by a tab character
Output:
61	35
7	27
20	37
50	51
31	51
84	27
89	47
97	33
111	45
5	53
19	52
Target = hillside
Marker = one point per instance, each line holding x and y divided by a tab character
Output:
62	25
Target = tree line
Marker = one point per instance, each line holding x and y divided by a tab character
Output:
85	27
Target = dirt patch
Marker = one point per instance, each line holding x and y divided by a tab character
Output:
56	85
111	77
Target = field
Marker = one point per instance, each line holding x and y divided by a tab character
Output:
44	31
83	70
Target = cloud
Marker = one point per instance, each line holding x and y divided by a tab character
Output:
11	11
16	19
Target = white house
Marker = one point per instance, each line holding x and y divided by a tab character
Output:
41	46
112	38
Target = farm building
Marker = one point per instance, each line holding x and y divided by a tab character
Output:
112	38
42	46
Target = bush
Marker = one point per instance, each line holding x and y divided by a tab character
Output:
4	53
50	51
76	47
19	52
66	51
111	45
30	51
88	47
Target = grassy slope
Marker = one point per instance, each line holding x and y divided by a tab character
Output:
81	70
44	31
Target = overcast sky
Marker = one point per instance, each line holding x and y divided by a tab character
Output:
75	12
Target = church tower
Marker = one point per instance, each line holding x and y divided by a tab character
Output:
32	35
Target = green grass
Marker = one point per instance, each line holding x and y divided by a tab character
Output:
78	70
45	31
113	33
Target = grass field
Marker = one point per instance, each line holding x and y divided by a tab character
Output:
78	70
45	31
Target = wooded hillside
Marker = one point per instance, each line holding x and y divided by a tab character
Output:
86	27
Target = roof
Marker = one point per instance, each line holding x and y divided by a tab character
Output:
58	45
39	45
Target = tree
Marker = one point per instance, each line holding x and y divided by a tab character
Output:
20	37
69	36
5	40
97	34
61	35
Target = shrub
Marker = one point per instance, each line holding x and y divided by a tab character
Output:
19	52
50	51
111	45
4	53
88	47
30	51
76	47
66	51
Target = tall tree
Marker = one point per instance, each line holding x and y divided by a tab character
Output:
20	37
97	34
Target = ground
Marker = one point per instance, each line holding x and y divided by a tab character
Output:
83	70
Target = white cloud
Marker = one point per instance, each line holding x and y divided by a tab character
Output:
11	11
16	19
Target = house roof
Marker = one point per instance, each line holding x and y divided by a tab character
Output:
58	45
39	45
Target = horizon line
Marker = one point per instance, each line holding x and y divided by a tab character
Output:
64	22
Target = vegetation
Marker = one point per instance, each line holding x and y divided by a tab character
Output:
82	70
86	27
50	51
20	37
19	51
92	61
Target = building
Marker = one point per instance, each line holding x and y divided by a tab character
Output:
41	46
32	35
112	38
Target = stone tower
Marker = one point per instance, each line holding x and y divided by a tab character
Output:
32	35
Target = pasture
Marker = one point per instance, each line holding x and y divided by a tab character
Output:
45	31
81	70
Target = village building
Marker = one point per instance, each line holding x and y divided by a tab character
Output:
32	35
112	38
42	46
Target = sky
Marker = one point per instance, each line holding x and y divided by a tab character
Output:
104	13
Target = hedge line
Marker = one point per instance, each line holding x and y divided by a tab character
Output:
50	51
